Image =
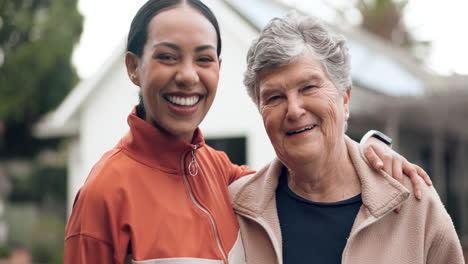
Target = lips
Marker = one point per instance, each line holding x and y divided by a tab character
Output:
300	130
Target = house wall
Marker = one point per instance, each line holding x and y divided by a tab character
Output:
103	121
104	115
75	171
233	113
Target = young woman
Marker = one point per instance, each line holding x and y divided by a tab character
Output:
160	195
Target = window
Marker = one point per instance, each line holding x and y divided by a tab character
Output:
235	148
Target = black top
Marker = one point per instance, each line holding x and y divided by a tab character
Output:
313	232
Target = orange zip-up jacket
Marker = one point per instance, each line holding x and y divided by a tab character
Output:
142	200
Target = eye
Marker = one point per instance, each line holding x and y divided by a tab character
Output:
166	57
273	99
309	88
205	59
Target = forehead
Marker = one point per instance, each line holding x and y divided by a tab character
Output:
181	23
305	67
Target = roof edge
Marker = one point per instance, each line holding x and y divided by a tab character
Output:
57	122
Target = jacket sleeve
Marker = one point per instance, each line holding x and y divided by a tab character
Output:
442	244
87	250
92	234
445	247
237	172
234	171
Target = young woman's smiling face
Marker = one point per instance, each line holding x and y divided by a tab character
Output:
178	71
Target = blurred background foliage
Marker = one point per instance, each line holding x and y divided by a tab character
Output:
36	42
37	38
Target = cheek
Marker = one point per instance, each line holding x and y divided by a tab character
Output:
334	115
150	95
272	123
211	78
329	112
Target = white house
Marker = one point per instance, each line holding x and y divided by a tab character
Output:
389	88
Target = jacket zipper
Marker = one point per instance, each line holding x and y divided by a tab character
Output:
194	166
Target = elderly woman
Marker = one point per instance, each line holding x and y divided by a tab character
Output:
319	201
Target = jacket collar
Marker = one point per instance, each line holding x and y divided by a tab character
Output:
253	193
381	193
155	147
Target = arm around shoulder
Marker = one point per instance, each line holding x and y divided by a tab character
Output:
234	171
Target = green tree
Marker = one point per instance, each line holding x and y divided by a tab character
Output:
36	42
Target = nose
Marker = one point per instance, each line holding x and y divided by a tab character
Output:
187	75
295	109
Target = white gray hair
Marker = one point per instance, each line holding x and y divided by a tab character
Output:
284	39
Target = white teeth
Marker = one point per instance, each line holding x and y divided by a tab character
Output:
183	101
302	130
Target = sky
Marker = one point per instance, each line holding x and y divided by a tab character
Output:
106	23
445	24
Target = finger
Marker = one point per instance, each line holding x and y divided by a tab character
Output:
386	156
372	158
422	173
413	174
388	163
397	172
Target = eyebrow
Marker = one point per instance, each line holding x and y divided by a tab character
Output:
306	78
167	44
267	92
177	48
204	47
303	80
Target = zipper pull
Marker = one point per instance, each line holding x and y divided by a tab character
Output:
193	166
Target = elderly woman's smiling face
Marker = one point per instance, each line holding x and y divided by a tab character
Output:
303	112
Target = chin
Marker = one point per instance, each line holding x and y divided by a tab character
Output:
180	133
305	153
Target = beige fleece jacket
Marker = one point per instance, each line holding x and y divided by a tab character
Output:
422	232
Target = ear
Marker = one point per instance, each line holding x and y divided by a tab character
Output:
132	63
347	97
220	60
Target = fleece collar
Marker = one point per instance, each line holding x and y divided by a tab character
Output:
155	147
381	193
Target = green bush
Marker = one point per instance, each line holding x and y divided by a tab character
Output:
42	183
38	230
22	219
48	239
4	251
